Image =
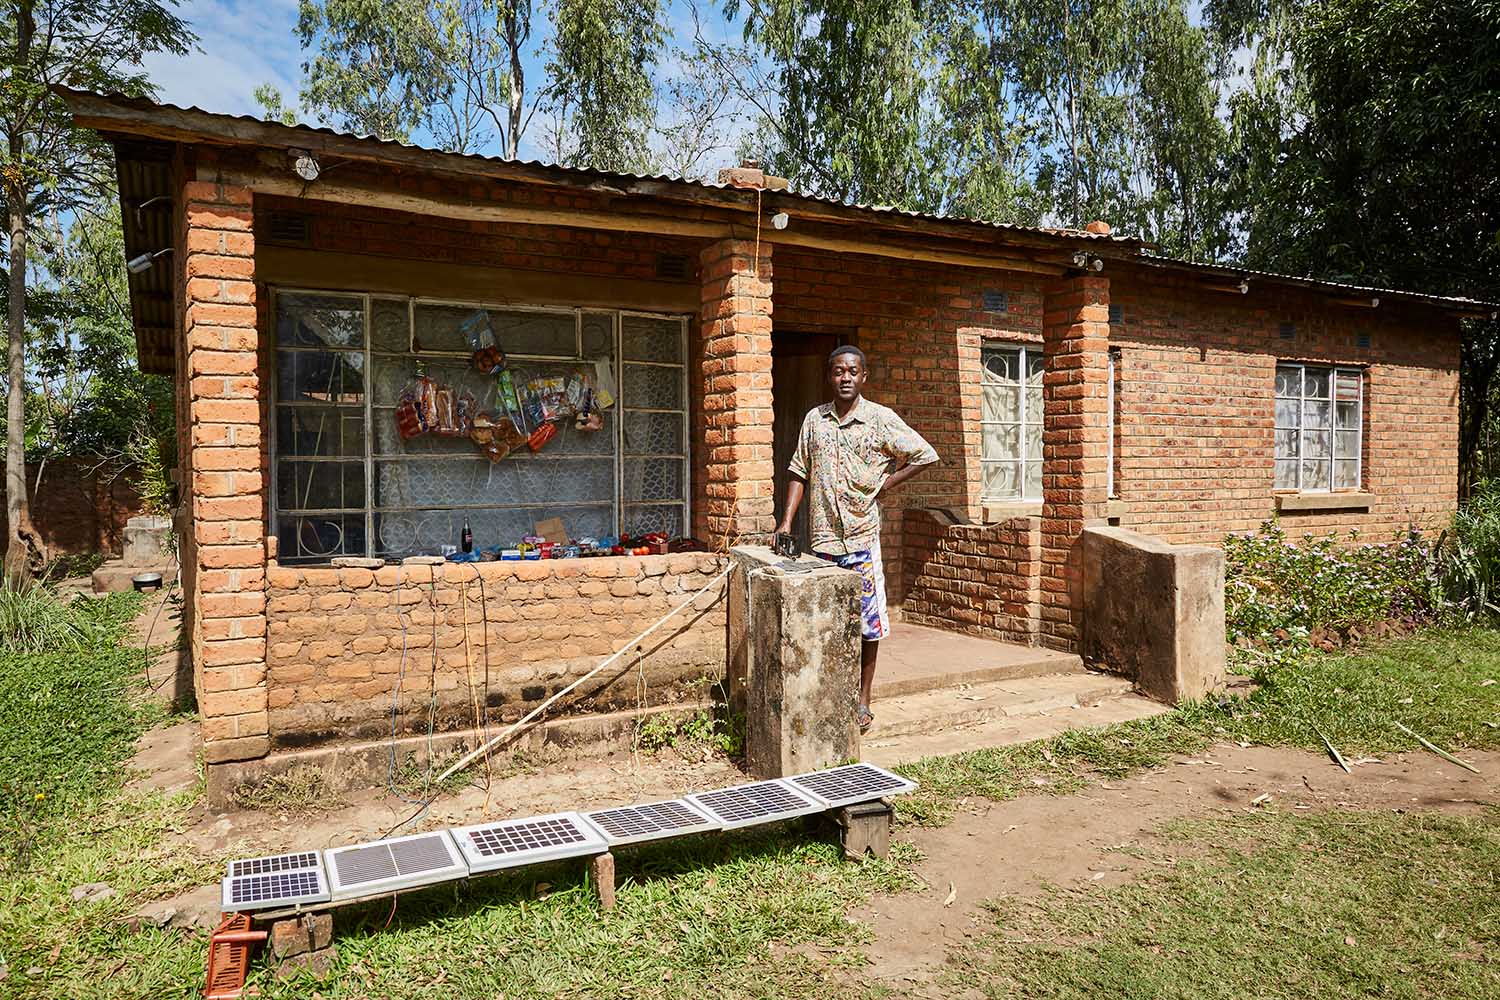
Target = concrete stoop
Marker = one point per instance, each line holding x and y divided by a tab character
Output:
1001	713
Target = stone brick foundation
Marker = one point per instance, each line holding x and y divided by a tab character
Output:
336	640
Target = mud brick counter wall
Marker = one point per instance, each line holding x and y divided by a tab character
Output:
335	639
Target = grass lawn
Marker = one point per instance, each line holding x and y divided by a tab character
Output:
764	914
1323	905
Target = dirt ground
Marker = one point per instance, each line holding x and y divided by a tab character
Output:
1017	847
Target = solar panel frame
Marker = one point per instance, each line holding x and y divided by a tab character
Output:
837	786
609	822
415	860
271	863
739	813
527	840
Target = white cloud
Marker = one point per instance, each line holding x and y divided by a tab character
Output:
241	45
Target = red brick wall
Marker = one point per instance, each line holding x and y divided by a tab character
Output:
979	579
336	639
1196	404
921	326
79	509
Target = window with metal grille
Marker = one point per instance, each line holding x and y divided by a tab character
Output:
345	481
1319	421
1011	422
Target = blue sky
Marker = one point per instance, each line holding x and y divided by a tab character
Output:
243	44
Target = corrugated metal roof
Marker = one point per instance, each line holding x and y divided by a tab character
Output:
1337	287
1128	248
591	172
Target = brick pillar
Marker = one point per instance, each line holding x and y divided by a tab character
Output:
735	323
1075	446
224	491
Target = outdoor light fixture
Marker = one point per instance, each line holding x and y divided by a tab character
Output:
136	265
779	220
304	164
1244	287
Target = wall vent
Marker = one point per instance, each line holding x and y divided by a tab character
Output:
287	228
995	302
672	266
1116	313
1287	331
1362	340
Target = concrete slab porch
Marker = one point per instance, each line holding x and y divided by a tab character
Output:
914	658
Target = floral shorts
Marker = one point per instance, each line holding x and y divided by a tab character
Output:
874	623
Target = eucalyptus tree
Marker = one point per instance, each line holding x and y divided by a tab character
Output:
47	167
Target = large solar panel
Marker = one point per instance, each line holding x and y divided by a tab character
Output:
652	821
388	865
759	802
515	842
274	880
843	786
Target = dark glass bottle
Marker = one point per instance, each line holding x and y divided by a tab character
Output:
467	537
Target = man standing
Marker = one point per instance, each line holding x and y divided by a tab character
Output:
849	453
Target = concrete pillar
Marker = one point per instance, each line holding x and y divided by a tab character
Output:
224	489
794	661
1155	612
735	323
1075	445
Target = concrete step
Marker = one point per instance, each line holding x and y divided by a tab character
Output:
935	723
915	659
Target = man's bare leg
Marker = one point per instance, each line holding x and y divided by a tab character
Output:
868	649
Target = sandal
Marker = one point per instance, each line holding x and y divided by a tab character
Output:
864	717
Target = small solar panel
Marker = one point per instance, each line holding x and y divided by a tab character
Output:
275	880
842	786
515	842
275	863
652	821
388	865
760	802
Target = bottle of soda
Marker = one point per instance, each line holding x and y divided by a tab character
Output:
467	537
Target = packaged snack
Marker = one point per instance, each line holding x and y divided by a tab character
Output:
476	329
512	403
463	413
510	555
488	360
408	423
541	436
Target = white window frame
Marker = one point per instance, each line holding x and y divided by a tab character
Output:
617	502
1026	352
1337	374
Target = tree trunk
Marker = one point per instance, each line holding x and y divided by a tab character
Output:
517	93
19	533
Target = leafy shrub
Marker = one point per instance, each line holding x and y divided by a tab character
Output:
1279	593
69	566
33	619
701	730
1469	554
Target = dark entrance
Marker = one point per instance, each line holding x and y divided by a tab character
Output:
799	374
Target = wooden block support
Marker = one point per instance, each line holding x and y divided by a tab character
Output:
865	828
602	869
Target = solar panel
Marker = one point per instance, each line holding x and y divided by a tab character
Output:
652	821
516	842
388	865
759	802
842	786
275	863
275	880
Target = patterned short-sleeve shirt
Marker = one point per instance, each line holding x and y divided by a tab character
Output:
845	463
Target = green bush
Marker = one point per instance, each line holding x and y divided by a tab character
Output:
1278	593
1469	554
33	619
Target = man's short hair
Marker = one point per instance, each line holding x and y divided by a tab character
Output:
848	349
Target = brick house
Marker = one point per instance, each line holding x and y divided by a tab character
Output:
301	279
